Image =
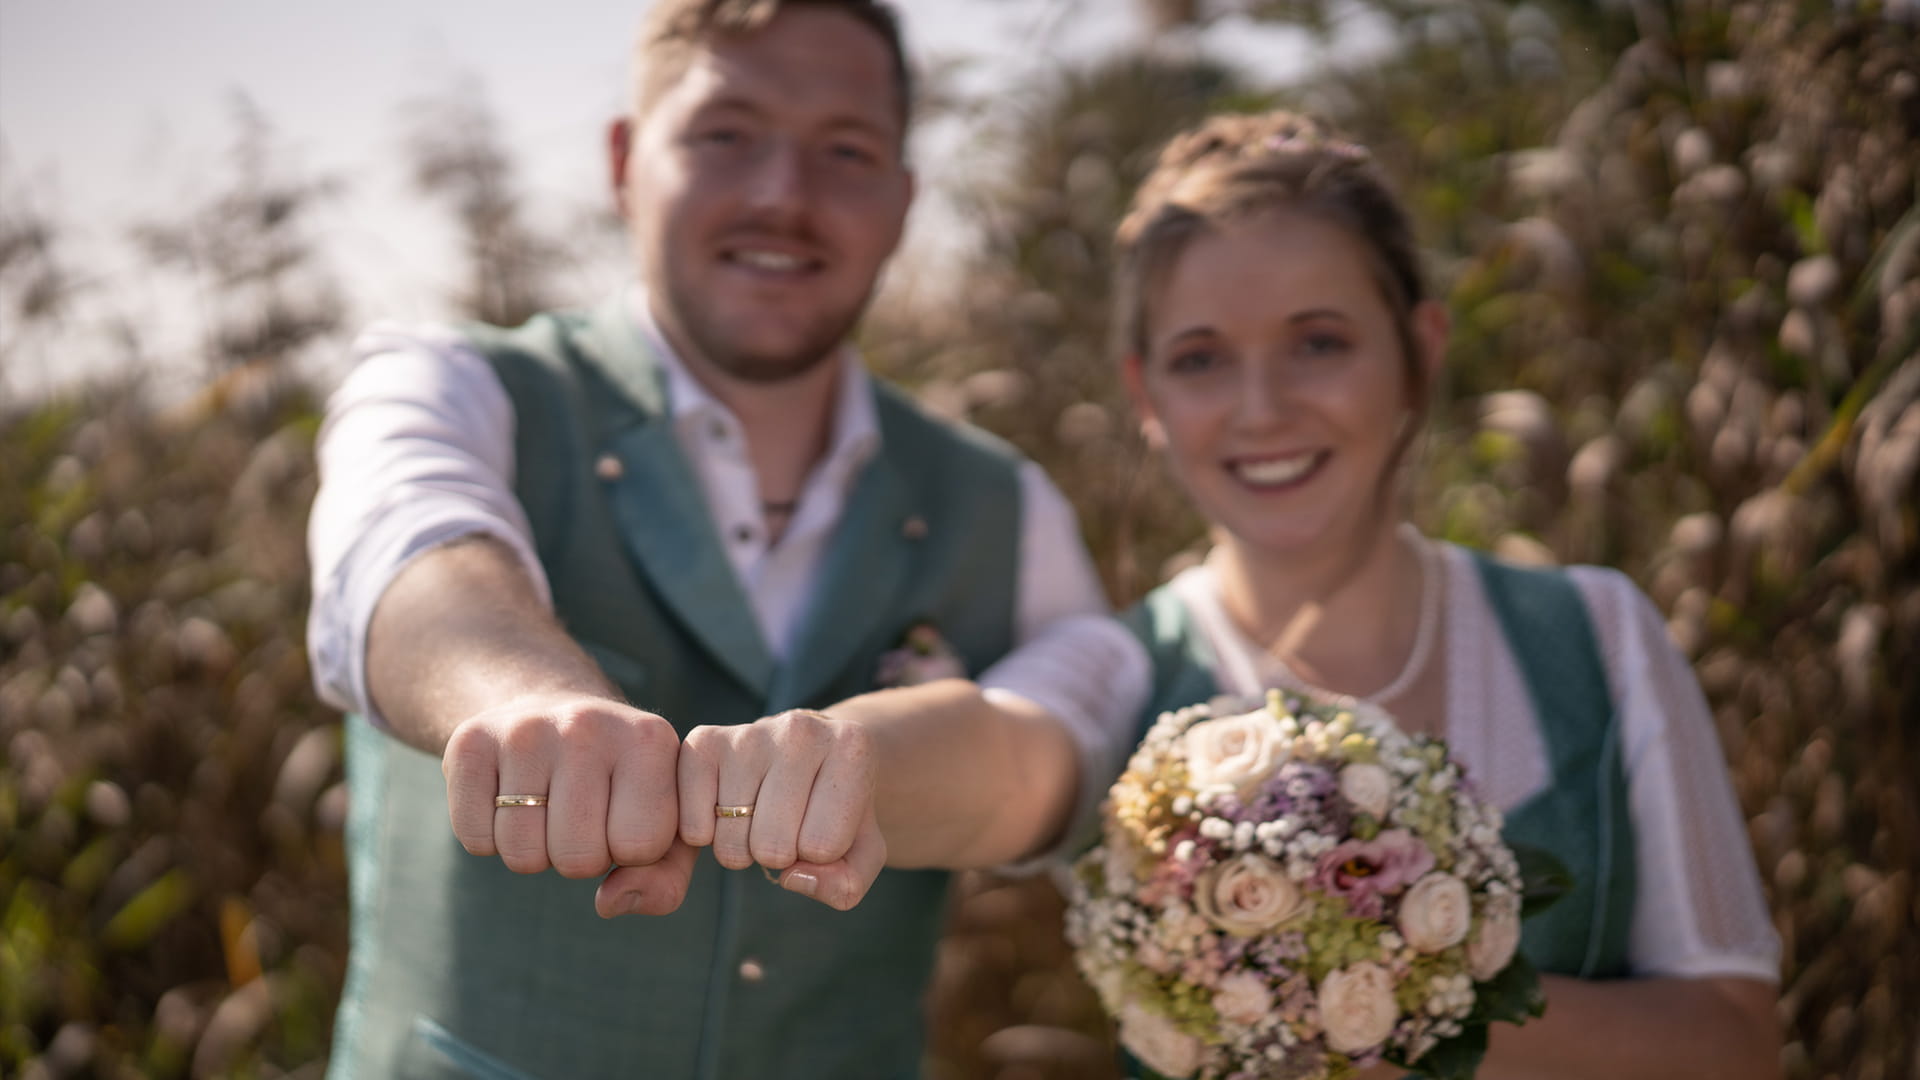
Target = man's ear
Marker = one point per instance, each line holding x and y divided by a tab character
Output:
620	135
1133	376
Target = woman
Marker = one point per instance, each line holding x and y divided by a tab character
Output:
1280	347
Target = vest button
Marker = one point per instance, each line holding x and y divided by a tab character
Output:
751	971
609	467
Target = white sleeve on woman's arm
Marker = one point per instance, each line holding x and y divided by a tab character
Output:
416	450
1070	658
1700	910
1092	676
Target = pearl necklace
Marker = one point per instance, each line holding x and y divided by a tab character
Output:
1424	632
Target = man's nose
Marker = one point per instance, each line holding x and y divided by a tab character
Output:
779	180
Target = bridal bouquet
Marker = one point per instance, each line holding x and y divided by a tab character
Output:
1300	891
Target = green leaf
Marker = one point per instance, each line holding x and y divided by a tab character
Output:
1453	1059
1513	996
143	917
1543	879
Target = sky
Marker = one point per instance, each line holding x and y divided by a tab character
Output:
117	111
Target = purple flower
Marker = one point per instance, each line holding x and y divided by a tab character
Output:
1365	871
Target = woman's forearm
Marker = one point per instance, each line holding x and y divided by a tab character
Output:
961	781
1650	1029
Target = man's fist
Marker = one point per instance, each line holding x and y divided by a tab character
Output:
607	772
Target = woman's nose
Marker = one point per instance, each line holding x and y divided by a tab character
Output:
1263	394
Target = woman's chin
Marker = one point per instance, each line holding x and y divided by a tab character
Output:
1290	541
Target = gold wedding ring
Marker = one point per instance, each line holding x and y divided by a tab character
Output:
519	800
733	811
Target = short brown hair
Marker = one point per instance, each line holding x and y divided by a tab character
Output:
674	28
1236	167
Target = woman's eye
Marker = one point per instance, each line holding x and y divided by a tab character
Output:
1324	344
1193	362
721	137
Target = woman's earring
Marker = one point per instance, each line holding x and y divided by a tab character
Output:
1155	435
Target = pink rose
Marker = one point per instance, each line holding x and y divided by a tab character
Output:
1357	1009
1243	998
1436	913
1492	949
1363	871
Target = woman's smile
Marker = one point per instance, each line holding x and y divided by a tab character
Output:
1275	473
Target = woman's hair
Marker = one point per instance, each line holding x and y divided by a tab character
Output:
1235	167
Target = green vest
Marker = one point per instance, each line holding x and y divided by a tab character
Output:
461	968
1582	814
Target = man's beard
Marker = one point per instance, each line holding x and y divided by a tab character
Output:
822	338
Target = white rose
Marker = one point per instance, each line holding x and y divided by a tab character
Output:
1492	949
1436	912
1243	998
1157	1043
1248	896
1368	788
1357	1009
1235	751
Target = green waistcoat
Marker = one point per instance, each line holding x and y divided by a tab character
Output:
460	968
1581	816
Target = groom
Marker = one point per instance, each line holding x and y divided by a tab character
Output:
542	556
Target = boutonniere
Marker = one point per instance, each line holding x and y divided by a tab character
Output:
921	657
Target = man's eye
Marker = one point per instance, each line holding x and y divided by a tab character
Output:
721	137
1324	344
852	153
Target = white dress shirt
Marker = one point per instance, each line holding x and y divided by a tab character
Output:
417	450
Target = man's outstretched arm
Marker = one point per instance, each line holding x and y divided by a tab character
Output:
465	661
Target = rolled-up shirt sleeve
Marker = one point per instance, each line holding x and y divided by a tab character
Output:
1072	660
416	450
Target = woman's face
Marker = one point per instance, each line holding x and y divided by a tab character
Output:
1273	380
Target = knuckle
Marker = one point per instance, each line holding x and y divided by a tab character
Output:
653	729
643	840
529	737
816	850
704	742
804	727
579	864
773	854
523	862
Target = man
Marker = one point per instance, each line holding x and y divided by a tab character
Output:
543	556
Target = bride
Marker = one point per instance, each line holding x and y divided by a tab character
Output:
1280	347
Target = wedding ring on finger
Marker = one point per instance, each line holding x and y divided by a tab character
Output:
733	811
519	800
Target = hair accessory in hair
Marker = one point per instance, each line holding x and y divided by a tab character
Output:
1296	140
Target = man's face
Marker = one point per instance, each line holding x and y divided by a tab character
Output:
764	190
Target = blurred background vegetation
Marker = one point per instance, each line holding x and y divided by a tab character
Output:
1681	244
